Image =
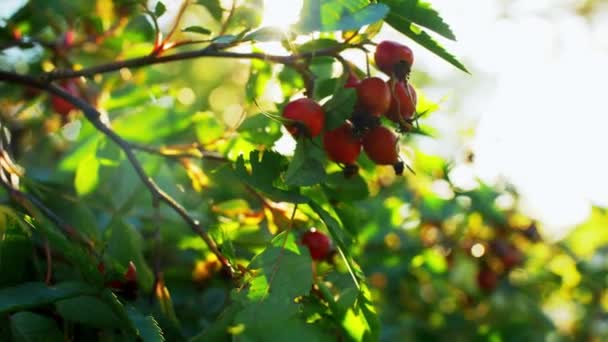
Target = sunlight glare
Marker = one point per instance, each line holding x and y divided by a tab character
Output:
281	13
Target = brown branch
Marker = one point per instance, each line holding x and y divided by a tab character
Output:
212	50
93	116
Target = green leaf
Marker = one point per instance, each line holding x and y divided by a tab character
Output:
126	244
286	265
197	29
147	327
214	7
160	9
340	107
226	39
31	295
86	179
259	129
345	189
264	172
334	228
421	37
421	13
306	167
336	15
318	44
31	327
89	311
15	253
208	127
267	34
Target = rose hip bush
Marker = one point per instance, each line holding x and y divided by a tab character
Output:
185	181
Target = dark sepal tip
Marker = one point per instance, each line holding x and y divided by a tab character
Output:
350	170
399	167
402	70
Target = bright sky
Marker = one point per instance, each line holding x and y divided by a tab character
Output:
538	95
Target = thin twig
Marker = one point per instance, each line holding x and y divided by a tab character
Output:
157	245
49	262
188	151
228	19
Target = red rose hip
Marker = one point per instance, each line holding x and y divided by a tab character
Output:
380	145
403	105
318	244
341	145
394	59
487	280
373	96
307	117
62	106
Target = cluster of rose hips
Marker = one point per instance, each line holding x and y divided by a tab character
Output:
394	99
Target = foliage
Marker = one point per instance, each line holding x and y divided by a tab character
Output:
167	205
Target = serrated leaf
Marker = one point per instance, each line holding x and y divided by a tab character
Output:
306	168
197	29
159	9
336	15
31	327
421	13
147	327
31	295
340	107
421	37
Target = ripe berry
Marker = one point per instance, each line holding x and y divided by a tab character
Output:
341	145
131	272
307	117
352	81
487	279
318	244
380	145
373	96
403	105
68	39
60	105
101	267
394	59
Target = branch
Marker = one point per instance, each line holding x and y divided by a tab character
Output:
212	50
93	116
